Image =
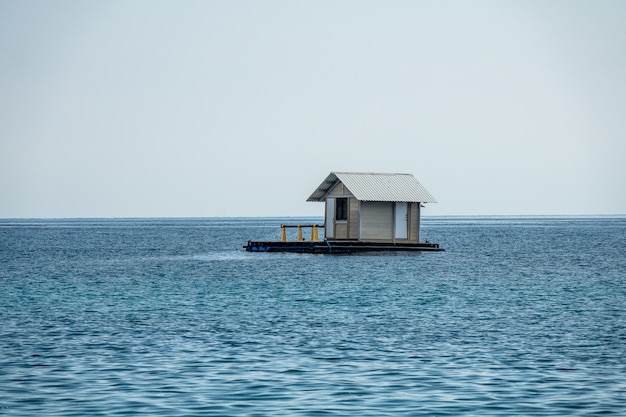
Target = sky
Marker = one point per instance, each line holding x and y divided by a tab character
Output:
242	108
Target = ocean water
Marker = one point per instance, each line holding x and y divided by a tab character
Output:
171	317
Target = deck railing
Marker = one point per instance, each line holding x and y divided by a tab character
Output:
314	232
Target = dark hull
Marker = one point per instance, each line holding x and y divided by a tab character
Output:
338	247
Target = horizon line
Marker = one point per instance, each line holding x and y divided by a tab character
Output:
296	216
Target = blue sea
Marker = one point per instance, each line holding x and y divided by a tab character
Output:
520	316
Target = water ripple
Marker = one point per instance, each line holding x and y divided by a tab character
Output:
161	318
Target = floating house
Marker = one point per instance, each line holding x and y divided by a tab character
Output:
372	206
364	211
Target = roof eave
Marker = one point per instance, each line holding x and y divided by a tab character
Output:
320	193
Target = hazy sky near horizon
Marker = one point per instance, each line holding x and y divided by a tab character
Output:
241	108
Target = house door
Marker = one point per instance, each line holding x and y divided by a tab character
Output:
402	220
329	226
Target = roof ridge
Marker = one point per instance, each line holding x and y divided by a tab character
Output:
370	173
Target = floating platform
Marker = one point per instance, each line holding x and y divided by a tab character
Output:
338	247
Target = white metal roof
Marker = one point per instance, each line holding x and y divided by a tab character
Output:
372	186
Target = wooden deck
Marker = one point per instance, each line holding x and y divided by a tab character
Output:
338	247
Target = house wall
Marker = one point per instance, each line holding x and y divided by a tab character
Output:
376	222
339	191
418	221
414	222
346	229
353	218
368	220
341	230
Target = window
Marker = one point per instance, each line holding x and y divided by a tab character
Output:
341	209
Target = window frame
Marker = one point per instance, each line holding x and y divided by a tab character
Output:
341	209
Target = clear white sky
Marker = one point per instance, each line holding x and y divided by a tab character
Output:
241	108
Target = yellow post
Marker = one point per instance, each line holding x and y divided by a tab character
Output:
300	239
283	233
314	237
